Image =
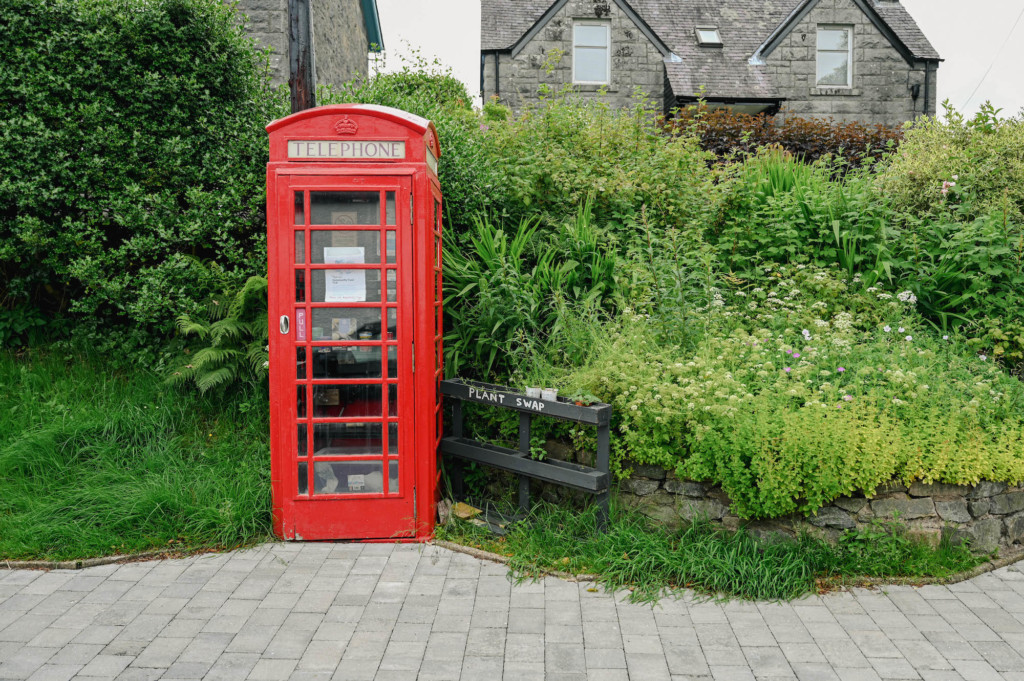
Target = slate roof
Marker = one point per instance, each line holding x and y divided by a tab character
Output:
502	22
906	28
725	72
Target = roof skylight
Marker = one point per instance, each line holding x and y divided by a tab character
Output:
709	36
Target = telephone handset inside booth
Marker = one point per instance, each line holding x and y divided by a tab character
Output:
354	278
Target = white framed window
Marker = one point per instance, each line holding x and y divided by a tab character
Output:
835	56
591	52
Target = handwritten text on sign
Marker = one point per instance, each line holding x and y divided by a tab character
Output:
347	149
499	398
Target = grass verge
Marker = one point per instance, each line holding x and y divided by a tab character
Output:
634	554
95	462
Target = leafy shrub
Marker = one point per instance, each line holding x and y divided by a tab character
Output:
983	157
728	134
551	158
965	269
431	91
807	389
134	152
24	325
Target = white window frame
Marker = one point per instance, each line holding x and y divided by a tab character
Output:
606	25
849	54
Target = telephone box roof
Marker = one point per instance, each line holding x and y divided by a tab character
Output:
415	123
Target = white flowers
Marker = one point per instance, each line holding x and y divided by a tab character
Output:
907	297
807	334
910	338
887	328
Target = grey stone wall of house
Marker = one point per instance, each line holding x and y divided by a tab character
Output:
339	37
989	514
340	41
882	79
266	21
635	61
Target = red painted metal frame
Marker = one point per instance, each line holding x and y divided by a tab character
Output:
408	516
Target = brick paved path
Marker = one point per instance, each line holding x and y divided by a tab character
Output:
376	611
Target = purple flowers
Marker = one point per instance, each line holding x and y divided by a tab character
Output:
787	369
840	370
796	355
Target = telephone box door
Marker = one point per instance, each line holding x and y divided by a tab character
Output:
342	339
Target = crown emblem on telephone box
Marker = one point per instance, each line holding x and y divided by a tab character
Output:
346	126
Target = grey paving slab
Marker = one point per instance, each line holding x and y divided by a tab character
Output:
319	612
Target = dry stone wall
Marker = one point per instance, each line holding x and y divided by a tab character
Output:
990	514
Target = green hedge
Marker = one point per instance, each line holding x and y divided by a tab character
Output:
133	152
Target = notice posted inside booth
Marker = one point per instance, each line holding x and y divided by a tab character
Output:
354	272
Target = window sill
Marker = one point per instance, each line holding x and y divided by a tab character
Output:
593	87
836	91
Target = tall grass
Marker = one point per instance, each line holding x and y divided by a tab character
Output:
632	553
95	461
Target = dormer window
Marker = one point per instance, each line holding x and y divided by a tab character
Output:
708	36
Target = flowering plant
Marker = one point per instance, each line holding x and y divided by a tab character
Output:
787	423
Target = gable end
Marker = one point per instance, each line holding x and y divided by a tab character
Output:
525	39
801	12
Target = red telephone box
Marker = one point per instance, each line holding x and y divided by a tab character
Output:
354	240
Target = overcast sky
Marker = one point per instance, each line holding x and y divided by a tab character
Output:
972	36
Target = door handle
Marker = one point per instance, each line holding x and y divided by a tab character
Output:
284	324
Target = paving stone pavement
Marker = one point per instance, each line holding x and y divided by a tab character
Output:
381	612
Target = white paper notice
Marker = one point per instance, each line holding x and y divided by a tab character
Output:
344	255
345	286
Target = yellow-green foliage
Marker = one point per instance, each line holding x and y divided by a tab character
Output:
805	392
550	159
984	156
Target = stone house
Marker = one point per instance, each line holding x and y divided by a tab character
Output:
864	60
344	33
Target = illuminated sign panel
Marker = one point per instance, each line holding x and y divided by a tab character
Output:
348	149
